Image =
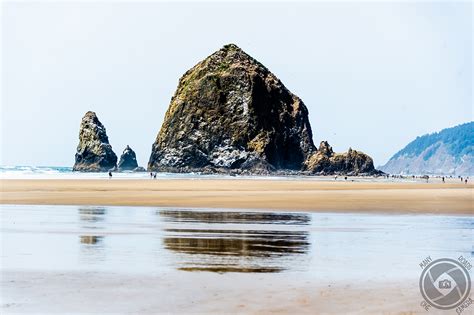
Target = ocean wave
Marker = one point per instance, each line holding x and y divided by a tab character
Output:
62	172
34	169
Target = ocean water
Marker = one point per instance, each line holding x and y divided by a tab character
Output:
61	172
30	170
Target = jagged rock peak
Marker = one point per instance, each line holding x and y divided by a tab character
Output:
325	148
94	153
229	112
231	55
128	160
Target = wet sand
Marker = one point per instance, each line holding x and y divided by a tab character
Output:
451	197
151	260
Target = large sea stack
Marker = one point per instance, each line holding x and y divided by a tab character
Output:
94	153
231	114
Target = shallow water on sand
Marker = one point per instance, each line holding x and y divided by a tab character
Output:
151	241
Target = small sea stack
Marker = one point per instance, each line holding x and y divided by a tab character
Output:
325	162
94	152
128	160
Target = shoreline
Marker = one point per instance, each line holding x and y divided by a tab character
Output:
253	194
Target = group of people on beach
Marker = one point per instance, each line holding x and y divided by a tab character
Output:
153	176
425	177
463	180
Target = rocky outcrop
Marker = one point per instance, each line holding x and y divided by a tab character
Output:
230	112
128	160
325	162
94	153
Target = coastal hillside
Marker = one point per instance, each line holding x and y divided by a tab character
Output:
448	152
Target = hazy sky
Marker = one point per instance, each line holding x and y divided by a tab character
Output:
373	75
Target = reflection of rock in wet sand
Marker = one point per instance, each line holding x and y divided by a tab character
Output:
91	249
238	243
235	217
92	214
91	239
232	269
236	250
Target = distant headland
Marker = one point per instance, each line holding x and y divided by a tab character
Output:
448	152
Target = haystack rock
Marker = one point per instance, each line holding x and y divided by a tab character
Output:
94	153
230	114
128	160
325	162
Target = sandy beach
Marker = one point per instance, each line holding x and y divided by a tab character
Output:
225	245
451	197
203	293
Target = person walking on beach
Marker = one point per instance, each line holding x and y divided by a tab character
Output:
110	174
151	174
443	179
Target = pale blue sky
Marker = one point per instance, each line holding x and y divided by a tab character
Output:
373	75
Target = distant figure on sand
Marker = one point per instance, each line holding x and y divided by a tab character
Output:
151	174
335	177
345	178
443	179
154	176
110	174
465	181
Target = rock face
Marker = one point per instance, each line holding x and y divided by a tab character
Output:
230	114
128	160
325	162
94	153
448	152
